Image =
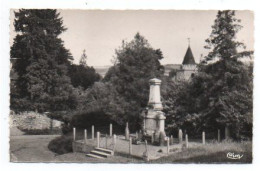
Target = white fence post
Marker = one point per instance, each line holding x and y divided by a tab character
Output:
187	141
114	142
74	134
98	141
168	144
218	135
203	137
110	130
130	145
93	132
106	140
126	131
180	136
171	140
85	136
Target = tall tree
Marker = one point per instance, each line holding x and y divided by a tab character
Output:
222	41
83	59
41	61
136	63
230	89
220	94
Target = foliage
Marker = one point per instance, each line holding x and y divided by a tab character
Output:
136	62
102	97
61	145
83	76
41	62
229	82
222	41
55	131
99	119
173	73
220	94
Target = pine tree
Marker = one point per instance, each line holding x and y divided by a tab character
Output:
220	94
41	63
222	41
229	89
83	59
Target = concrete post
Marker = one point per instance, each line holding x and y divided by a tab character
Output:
171	140
180	136
127	132
186	141
85	136
106	140
74	134
110	130
93	132
130	145
136	135
227	132
146	148
203	137
146	154
140	134
168	145
114	142
218	135
98	140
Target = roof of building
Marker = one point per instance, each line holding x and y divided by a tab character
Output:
188	58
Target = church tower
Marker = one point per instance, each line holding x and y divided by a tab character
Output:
188	67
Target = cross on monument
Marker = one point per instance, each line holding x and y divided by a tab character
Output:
189	41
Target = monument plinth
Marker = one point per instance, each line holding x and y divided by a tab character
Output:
154	118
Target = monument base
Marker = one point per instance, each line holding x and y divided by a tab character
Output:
153	128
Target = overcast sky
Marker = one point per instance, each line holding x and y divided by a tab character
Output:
100	32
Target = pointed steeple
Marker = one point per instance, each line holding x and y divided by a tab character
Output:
188	58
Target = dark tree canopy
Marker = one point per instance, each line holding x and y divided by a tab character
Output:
220	94
136	63
41	62
83	76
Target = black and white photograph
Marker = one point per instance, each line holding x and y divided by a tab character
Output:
131	86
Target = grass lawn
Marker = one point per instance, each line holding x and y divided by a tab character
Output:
211	153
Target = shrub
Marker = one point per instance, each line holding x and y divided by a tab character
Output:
101	121
66	129
61	145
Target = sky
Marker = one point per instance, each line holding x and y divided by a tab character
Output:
100	32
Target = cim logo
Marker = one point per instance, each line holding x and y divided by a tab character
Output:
234	156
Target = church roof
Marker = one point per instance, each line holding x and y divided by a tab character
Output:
188	58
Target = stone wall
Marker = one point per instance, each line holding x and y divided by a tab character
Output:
33	121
